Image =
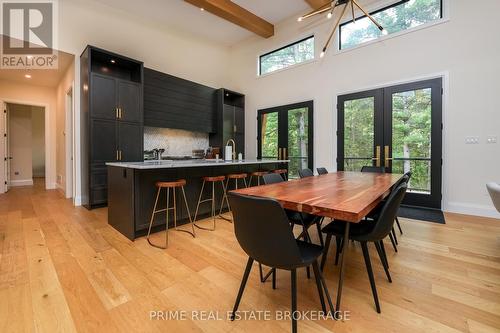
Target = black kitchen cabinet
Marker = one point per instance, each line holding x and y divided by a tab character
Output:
230	124
112	118
172	102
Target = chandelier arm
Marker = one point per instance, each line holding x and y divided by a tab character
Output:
318	11
335	27
352	9
379	26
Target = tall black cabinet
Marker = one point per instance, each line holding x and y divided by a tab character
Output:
230	124
111	118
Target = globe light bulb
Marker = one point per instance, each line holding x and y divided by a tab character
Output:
329	15
322	54
299	19
385	32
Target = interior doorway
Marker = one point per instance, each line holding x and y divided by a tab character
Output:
25	152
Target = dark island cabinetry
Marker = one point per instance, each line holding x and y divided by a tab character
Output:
111	118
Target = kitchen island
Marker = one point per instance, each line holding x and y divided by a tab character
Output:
132	190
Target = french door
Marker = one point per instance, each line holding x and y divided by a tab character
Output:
398	128
286	132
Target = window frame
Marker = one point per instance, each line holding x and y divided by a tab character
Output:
395	4
284	47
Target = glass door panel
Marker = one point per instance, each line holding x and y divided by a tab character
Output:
298	141
359	133
269	135
411	137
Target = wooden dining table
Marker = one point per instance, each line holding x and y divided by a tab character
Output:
346	196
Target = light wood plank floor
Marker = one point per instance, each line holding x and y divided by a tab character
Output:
63	269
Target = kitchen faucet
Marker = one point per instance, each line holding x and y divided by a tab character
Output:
234	147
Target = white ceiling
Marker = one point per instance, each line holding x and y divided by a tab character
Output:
179	15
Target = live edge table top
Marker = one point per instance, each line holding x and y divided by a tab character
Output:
348	196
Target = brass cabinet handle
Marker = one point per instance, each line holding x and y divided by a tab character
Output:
117	113
279	153
387	158
117	156
285	154
120	154
120	112
377	156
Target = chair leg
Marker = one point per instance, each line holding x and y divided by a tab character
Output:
294	299
307	239
242	287
393	242
399	226
319	286
382	247
382	259
325	288
320	234
395	237
274	278
368	264
325	251
339	241
263	278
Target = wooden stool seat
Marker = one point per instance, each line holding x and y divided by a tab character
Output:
177	183
259	173
280	171
237	176
214	178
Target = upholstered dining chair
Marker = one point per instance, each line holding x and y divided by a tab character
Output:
494	190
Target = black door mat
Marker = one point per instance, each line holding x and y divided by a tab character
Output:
422	214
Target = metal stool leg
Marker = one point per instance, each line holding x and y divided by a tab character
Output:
224	196
152	218
192	233
206	200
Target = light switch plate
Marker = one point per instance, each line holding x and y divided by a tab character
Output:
472	140
491	139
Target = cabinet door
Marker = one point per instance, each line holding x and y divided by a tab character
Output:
103	144
131	142
103	97
239	120
129	100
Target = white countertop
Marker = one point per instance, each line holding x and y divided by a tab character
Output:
164	164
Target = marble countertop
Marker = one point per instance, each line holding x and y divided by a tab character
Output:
187	164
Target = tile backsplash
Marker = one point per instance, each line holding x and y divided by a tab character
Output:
175	142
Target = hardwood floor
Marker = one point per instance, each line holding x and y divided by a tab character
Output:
63	269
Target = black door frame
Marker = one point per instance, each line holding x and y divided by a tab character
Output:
283	127
383	133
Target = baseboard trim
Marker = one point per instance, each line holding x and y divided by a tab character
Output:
21	182
471	209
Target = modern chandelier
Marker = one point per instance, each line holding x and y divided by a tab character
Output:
330	8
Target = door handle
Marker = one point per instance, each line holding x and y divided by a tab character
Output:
387	158
377	156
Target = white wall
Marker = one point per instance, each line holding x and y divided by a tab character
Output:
465	49
83	22
20	145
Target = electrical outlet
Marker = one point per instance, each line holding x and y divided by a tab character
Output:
492	139
472	140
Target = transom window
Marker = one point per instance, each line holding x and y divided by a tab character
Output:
287	56
402	15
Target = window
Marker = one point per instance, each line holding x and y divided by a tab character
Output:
287	56
400	16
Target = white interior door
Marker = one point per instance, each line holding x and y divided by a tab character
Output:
4	150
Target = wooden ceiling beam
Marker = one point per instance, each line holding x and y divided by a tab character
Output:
315	4
233	13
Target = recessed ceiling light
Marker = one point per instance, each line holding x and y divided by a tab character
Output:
113	61
28	76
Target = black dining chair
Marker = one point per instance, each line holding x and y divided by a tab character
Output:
392	235
322	171
272	178
370	231
263	232
305	173
373	169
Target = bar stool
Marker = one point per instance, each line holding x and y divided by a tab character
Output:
212	180
235	177
170	185
259	175
282	172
